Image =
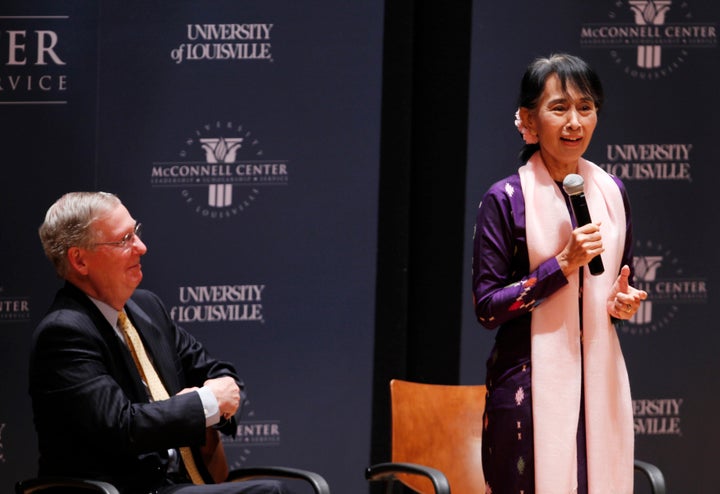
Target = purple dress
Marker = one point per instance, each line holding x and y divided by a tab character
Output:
504	293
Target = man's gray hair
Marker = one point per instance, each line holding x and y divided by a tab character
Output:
68	224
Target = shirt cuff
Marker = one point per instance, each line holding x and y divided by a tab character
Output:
210	406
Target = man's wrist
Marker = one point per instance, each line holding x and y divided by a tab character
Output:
210	406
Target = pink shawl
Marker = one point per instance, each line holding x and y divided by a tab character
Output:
556	349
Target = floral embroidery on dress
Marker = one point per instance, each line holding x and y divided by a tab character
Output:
519	396
520	302
521	465
509	189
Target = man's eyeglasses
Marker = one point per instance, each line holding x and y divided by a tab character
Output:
127	239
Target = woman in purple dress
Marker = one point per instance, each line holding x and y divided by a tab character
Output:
558	415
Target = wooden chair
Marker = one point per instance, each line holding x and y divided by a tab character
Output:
437	440
436	434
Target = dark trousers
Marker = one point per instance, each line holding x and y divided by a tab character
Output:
245	487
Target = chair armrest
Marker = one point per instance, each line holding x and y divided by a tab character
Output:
653	474
42	484
387	471
318	483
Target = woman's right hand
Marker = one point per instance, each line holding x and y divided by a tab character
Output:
624	300
585	243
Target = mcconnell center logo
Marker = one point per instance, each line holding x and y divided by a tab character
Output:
252	432
33	61
659	273
221	170
13	308
649	39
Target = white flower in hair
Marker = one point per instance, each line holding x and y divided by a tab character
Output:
527	136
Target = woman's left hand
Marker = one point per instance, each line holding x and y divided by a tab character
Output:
624	301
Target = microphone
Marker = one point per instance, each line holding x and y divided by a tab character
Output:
574	187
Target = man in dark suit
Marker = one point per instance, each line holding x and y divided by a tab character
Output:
93	406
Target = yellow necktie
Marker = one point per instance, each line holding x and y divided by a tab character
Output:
154	384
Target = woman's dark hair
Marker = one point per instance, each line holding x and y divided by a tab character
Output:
569	69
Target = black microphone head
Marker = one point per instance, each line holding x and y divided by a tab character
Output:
573	184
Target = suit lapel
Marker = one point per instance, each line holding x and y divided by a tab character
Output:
119	360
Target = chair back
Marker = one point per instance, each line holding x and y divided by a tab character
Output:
439	426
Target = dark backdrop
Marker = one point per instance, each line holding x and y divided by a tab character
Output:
269	257
367	132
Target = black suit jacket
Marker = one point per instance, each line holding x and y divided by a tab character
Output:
91	410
